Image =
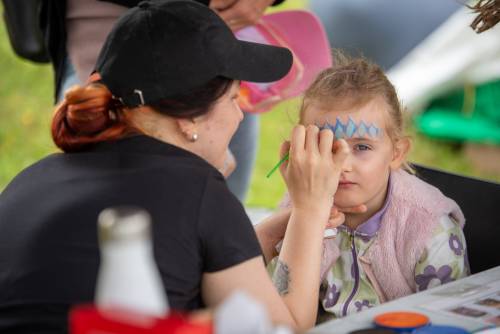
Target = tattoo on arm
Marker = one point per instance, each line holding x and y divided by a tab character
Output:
281	277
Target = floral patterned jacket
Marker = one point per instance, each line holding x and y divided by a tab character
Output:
347	289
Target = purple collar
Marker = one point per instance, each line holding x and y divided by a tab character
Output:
369	228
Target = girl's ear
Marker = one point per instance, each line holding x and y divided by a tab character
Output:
401	149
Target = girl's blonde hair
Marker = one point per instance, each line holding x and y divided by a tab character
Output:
352	82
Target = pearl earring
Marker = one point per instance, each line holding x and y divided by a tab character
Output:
194	137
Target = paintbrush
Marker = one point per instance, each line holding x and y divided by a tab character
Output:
285	158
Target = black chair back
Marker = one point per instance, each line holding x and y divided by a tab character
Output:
480	203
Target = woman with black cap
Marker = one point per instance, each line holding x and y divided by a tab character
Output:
152	131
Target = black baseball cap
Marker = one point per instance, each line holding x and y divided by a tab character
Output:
165	48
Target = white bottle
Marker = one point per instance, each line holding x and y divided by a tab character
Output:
128	276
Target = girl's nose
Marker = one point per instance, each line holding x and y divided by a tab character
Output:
347	166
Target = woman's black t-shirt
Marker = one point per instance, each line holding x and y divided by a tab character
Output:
49	254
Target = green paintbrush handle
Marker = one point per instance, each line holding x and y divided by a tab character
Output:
285	158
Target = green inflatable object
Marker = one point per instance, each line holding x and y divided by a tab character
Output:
470	114
451	125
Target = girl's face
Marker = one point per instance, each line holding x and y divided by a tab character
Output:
216	128
366	170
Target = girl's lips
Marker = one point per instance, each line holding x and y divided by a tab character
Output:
346	184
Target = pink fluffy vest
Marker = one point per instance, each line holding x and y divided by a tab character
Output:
414	210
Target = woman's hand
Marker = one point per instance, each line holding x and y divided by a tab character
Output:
337	214
313	168
240	13
273	228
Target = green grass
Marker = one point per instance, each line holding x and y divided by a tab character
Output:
26	91
25	111
275	128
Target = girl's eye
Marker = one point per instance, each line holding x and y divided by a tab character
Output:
362	147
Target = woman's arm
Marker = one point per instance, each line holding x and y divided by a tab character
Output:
311	174
271	231
249	276
291	308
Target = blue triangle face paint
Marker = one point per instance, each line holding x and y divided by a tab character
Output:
352	130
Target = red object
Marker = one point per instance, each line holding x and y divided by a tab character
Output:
90	320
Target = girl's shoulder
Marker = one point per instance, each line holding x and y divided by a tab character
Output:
411	188
415	194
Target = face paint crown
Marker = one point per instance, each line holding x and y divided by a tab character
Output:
351	129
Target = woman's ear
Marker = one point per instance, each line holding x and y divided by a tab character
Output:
401	149
188	128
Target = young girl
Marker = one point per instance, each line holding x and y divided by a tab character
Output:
409	237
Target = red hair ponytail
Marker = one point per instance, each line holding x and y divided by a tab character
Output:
88	115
